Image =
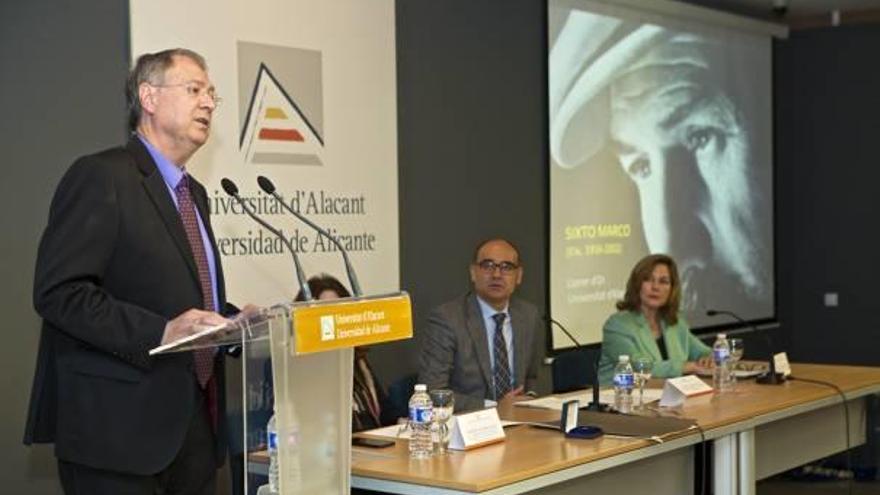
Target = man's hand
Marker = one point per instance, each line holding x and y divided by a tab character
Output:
190	322
516	395
248	311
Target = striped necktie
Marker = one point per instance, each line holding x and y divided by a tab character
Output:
503	381
204	358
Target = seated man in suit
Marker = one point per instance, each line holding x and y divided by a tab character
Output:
485	345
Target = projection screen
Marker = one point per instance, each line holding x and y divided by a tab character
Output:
660	142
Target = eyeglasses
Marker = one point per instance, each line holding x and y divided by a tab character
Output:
489	266
194	90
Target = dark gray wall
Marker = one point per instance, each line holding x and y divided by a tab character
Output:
472	148
828	103
61	96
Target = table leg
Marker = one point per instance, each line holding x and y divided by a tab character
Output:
746	440
724	465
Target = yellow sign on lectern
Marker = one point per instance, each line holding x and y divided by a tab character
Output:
340	324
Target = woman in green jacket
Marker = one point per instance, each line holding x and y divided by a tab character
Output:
647	324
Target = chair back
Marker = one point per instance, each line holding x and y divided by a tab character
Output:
575	369
399	393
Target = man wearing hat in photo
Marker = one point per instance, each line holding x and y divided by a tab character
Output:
669	108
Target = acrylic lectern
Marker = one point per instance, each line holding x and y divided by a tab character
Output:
297	361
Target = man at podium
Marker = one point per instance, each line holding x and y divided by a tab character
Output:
484	345
128	262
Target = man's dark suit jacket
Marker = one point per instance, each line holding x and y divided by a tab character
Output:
455	353
114	265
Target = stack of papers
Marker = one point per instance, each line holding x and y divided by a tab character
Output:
401	431
606	396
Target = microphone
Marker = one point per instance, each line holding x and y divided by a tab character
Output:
771	377
232	190
596	404
269	188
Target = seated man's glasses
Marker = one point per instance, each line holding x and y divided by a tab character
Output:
489	266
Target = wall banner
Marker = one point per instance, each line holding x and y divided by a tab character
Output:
309	101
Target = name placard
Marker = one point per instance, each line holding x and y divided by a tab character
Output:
676	390
476	429
780	362
322	326
569	419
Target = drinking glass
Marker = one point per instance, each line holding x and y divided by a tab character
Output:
736	353
444	403
642	367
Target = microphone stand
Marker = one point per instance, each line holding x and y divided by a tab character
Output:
596	404
269	188
231	189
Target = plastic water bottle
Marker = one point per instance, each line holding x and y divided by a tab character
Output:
272	444
421	412
721	375
624	381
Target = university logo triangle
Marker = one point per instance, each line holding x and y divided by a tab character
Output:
275	131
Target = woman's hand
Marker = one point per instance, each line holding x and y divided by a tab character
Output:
703	364
706	362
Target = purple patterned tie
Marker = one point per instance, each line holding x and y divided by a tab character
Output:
502	364
204	358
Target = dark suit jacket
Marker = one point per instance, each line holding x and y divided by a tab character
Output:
455	353
114	265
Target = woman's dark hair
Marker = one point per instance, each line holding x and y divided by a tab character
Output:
319	283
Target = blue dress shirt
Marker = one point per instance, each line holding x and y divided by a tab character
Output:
172	174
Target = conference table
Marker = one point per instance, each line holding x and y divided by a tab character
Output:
755	432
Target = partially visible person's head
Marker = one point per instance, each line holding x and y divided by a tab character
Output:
171	101
653	285
496	271
324	287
